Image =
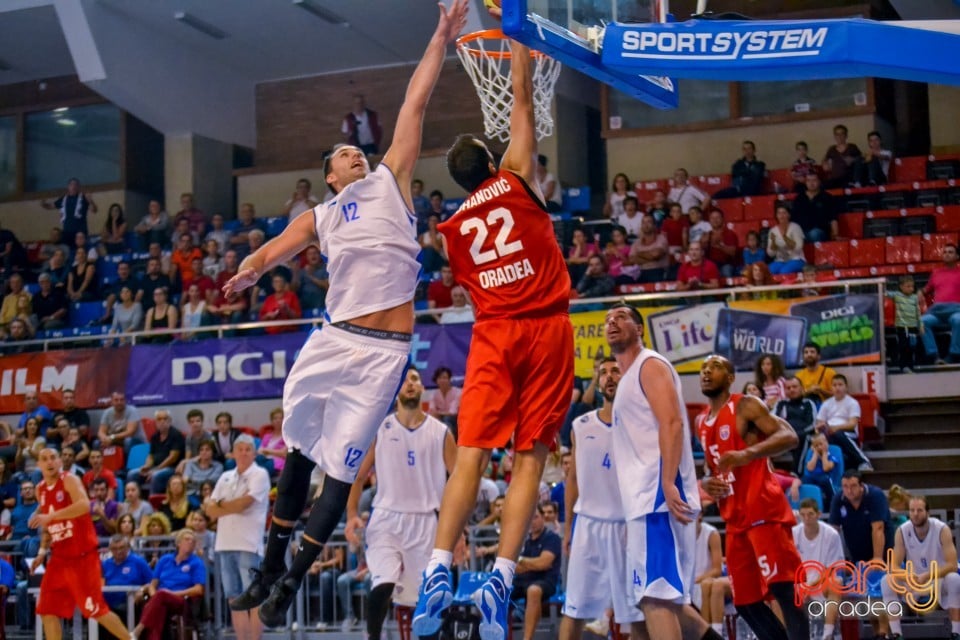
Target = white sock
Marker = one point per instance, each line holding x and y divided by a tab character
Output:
507	568
439	557
895	626
955	627
717	626
828	631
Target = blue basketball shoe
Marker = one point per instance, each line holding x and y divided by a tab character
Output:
436	594
493	600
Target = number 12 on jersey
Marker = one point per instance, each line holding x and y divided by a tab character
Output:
502	247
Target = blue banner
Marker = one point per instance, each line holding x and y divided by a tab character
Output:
846	326
743	336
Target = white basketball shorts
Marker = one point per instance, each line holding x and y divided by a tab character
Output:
660	557
339	390
596	572
398	550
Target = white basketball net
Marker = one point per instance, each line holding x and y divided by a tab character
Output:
487	61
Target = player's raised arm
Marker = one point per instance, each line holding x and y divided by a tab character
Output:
780	436
402	155
520	154
298	235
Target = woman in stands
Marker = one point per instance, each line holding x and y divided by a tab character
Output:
616	254
127	526
579	254
758	275
194	311
177	505
82	280
127	314
272	446
155	525
28	450
620	189
768	374
212	260
785	244
134	504
9	489
163	315
114	229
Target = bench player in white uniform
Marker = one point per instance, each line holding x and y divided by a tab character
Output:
821	543
708	575
596	563
413	454
653	458
346	375
923	541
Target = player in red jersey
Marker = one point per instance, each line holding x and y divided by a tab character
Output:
72	577
502	249
739	435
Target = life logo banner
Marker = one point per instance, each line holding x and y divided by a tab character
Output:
685	334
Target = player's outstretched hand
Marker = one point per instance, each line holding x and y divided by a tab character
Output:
38	520
715	487
244	279
36	563
452	20
732	459
353	529
680	509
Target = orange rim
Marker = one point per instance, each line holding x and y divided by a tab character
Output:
464	41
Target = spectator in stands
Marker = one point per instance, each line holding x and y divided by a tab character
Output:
25	312
874	169
22	512
436	205
800	412
631	218
839	161
699	228
183	258
815	211
127	314
817	469
153	227
212	263
103	509
114	230
133	504
346	582
72	441
120	424
178	579
155	250
802	167
676	227
839	419
315	280
697	272
431	253
658	207
785	244
445	401
240	240
549	185
177	505
538	571
124	279
17	333
686	194
817	542
127	525
154	525
33	408
421	203
82	245
73	206
13	257
224	310
907	322
9	309
579	253
97	470
58	269
218	234
301	201
9	489
461	311
943	295
194	216
124	569
862	513
272	446
617	254
29	445
817	378
55	242
69	462
82	283
76	416
619	191
649	252
166	450
199	523
439	294
361	127
152	281
202	468
550	517
747	175
281	305
723	249
223	439
162	315
768	374
194	311
596	282
195	435
753	252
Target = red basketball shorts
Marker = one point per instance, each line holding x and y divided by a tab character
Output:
69	583
758	557
518	382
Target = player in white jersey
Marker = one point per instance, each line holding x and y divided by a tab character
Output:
653	457
412	455
346	375
930	577
596	563
820	543
708	574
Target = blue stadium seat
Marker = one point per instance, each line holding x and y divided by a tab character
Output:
32	288
808	491
450	205
231	225
576	199
83	313
137	456
275	226
836	474
469	582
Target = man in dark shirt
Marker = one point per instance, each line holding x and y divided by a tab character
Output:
166	450
815	211
76	416
538	571
747	174
152	281
240	240
74	207
123	569
862	514
596	282
723	249
13	257
124	279
50	304
801	413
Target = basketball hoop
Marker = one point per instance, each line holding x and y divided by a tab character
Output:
486	57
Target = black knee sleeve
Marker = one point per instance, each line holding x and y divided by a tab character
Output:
293	486
378	606
763	621
797	622
327	509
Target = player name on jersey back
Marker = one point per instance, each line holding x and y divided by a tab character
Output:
496	188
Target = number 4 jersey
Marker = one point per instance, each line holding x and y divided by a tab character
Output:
503	251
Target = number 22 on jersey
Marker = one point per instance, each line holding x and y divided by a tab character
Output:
501	245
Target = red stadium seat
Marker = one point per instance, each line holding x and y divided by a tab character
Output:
265	429
869	415
149	427
732	209
758	207
851	225
781	177
156	500
646	188
903	250
948	218
889	312
867	253
741	229
250	431
835	254
933	244
712	184
909	169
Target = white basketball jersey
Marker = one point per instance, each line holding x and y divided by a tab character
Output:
409	463
922	552
636	446
826	548
368	239
599	493
701	556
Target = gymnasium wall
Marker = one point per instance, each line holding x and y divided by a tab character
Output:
944	116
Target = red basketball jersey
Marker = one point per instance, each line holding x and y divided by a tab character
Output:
72	537
503	251
755	496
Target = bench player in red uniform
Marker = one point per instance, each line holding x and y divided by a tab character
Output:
739	435
72	577
502	249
